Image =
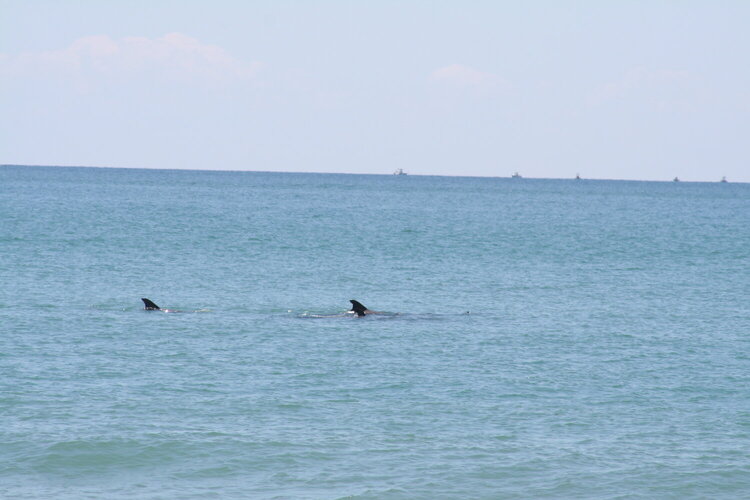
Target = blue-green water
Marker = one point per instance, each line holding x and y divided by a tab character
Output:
606	353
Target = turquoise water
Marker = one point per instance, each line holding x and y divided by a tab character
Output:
606	353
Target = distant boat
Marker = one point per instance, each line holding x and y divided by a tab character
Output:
676	179
399	171
723	179
516	175
578	177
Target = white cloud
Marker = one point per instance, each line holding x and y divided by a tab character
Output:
174	57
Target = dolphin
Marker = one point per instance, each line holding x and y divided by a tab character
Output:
150	306
360	309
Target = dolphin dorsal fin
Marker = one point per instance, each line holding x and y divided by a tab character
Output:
358	308
150	306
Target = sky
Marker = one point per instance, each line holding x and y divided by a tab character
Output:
645	90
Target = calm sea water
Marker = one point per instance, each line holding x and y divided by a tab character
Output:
605	353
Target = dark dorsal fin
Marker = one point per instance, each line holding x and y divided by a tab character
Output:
150	306
358	308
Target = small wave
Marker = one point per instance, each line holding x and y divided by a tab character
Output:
76	456
314	315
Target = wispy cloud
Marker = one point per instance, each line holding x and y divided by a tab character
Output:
175	57
466	76
637	80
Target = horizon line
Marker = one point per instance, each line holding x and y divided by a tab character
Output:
676	179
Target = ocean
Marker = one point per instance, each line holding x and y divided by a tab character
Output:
540	338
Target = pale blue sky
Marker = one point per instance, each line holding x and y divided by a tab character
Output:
628	90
